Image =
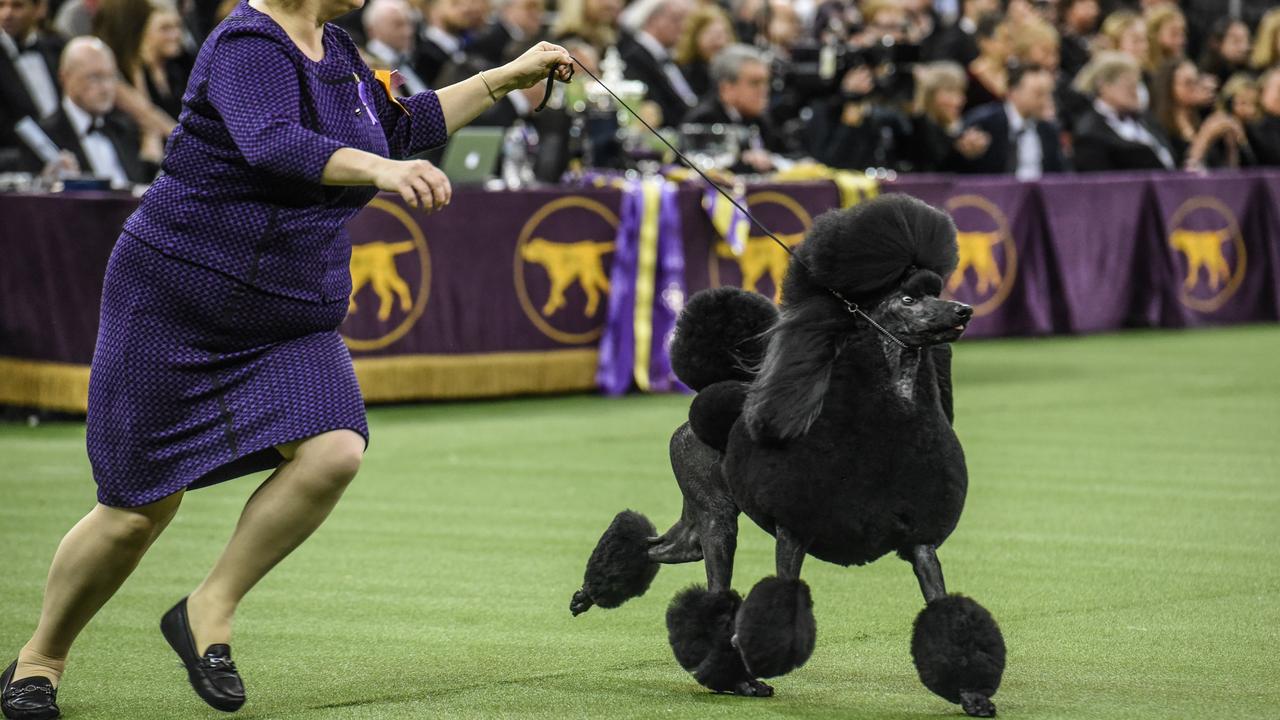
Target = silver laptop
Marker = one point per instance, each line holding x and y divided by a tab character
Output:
472	155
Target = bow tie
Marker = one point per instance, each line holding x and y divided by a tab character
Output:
96	124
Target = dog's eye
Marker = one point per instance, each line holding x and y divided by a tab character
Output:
908	300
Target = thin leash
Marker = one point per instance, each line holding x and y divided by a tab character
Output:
849	305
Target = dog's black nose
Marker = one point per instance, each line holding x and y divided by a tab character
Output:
964	311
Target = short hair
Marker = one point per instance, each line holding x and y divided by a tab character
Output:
1019	71
375	8
81	41
727	65
936	76
1105	68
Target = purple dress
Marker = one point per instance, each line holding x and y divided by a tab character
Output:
218	336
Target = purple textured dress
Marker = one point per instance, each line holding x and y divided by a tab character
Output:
218	337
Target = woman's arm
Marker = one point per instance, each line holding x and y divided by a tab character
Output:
417	181
464	101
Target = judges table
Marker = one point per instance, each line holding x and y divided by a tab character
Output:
569	289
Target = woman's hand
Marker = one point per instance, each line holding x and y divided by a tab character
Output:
420	183
532	67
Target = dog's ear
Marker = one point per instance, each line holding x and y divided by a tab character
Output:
786	397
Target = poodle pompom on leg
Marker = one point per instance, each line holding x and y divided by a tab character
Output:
959	652
700	629
620	567
776	630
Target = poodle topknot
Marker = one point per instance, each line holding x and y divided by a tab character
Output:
864	251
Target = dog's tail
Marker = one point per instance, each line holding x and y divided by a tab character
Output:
721	335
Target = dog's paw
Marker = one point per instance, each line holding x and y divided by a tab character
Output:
580	603
977	705
753	688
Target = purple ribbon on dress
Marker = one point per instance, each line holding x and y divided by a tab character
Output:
365	100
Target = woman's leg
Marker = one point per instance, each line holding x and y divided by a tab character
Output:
91	563
283	512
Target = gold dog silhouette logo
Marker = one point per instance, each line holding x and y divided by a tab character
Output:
1206	236
561	259
762	258
988	258
390	277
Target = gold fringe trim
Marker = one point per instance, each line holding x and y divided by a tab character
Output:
46	385
65	387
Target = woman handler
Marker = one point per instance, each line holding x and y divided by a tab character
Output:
218	353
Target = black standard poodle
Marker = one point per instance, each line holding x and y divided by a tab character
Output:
830	427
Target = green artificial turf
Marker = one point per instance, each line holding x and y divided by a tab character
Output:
1122	526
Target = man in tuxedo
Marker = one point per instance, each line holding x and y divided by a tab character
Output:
86	124
388	24
28	67
517	21
1024	142
444	39
656	28
741	77
1113	134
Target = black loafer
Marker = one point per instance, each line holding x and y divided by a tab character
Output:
33	698
213	676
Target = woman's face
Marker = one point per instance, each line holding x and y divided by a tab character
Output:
1172	37
1133	41
602	12
1244	105
1235	44
995	47
1270	97
1186	81
948	103
163	36
712	38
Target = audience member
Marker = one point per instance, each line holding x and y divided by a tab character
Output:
163	64
655	27
959	41
707	31
1266	42
514	21
388	25
1022	142
103	140
592	21
1264	135
1079	25
449	26
939	141
1113	134
741	99
1227	49
1222	140
121	24
852	131
28	64
1166	36
988	73
1178	100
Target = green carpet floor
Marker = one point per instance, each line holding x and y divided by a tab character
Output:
1122	526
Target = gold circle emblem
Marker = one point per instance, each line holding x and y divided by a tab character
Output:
373	265
992	280
567	264
1203	250
762	257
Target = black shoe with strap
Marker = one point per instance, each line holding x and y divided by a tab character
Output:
213	675
33	698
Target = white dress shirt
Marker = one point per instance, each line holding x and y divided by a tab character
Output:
1130	129
669	68
388	56
98	150
36	74
1030	152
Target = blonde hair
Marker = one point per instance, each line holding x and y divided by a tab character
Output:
871	8
1157	17
934	77
571	20
1265	44
1033	33
1233	86
1106	67
1116	24
686	51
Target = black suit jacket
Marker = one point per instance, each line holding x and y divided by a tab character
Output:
430	60
118	129
491	43
642	66
991	119
1097	147
1264	139
711	111
15	102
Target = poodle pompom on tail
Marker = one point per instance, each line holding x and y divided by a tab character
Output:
720	336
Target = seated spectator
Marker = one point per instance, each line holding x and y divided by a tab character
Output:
1178	98
388	25
1227	50
1022	141
852	130
741	76
163	65
121	24
592	21
1113	134
1166	36
655	27
707	31
442	38
939	141
1223	140
1126	32
103	140
515	21
988	79
1035	42
28	65
1079	25
959	41
1266	43
1264	135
